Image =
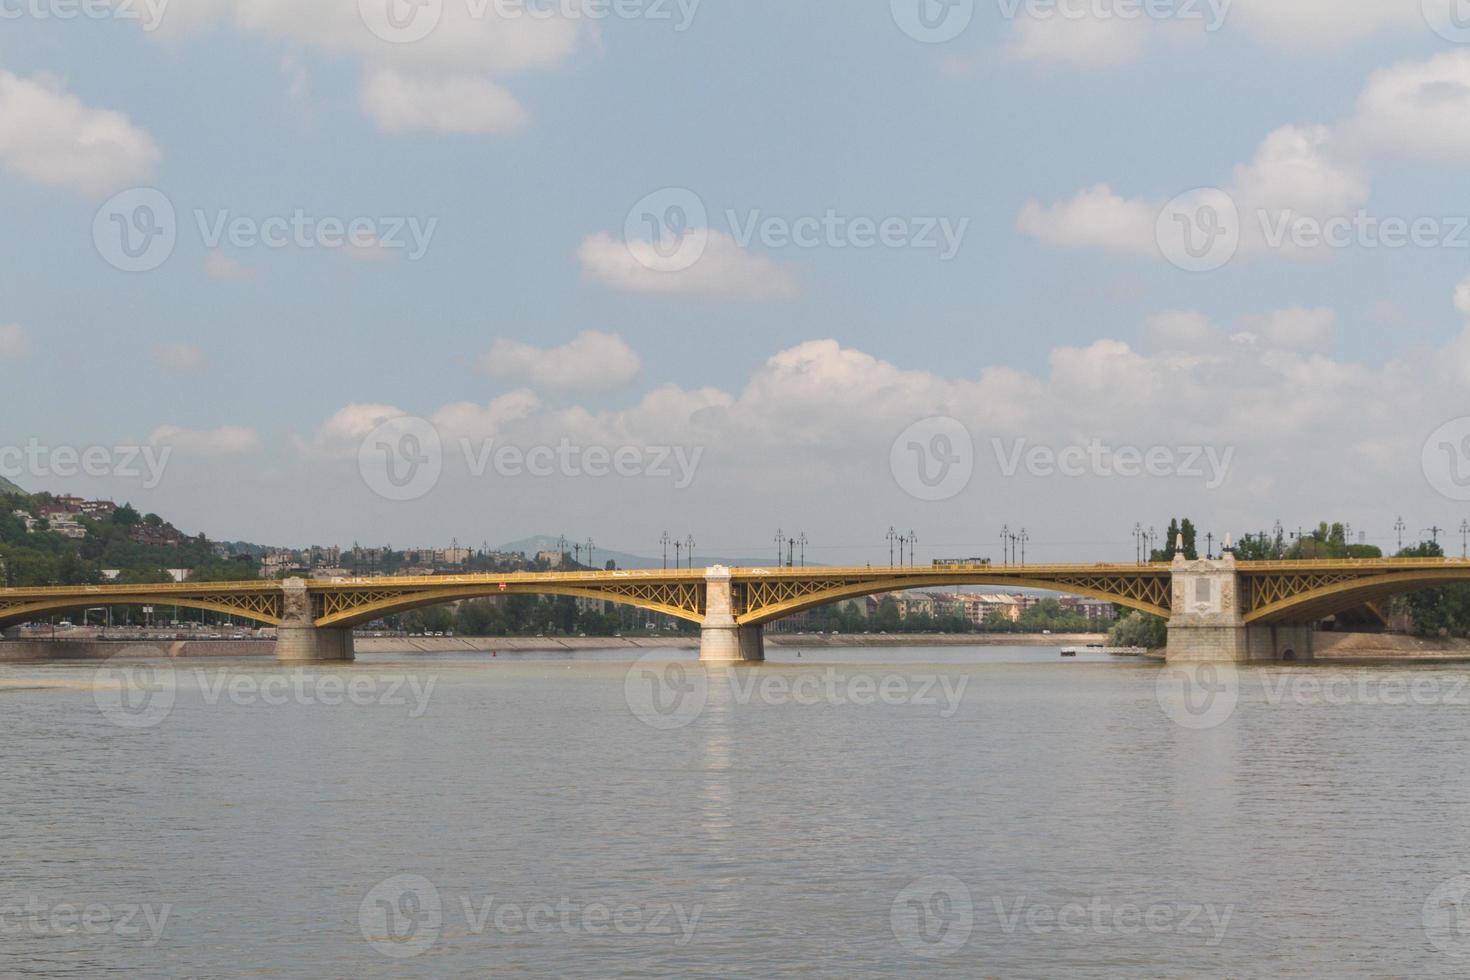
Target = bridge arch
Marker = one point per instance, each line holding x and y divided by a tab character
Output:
686	604
762	606
1307	596
13	615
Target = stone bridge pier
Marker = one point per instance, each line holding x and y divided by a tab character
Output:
721	639
1207	624
299	639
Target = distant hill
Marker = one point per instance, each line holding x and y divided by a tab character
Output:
542	542
7	487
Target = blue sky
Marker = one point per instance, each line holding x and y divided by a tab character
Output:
241	358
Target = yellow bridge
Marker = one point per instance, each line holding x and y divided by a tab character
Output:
1200	599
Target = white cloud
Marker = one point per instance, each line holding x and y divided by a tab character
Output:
1180	330
459	104
50	137
1419	109
1297	172
1095	36
443	80
1294	328
1095	218
1462	296
218	265
1325	24
180	358
225	441
1078	42
724	270
341	435
592	362
15	343
1299	168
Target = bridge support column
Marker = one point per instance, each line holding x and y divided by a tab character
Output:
1208	625
299	640
721	639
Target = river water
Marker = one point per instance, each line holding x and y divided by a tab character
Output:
836	813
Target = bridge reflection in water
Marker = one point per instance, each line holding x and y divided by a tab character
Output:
1217	609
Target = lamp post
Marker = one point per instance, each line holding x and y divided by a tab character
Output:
1399	526
913	539
1024	537
1005	544
689	543
781	543
802	541
665	542
892	537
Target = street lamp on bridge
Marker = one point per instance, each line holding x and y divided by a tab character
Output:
665	542
892	537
